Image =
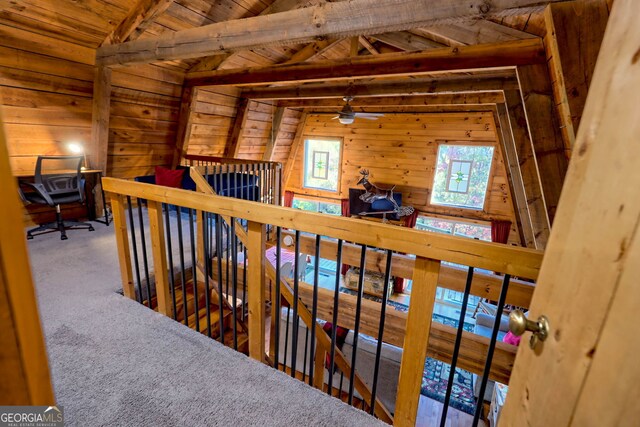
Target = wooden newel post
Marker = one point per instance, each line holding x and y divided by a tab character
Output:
159	251
414	353
255	287
118	202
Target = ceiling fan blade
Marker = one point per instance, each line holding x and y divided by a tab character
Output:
336	117
369	115
368	118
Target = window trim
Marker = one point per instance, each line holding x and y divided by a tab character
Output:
304	140
492	171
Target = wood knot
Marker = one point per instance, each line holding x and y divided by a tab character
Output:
636	57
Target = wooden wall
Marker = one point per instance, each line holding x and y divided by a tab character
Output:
401	149
46	89
145	102
212	121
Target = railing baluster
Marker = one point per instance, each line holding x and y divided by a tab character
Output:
275	304
194	272
134	245
456	348
383	312
334	325
122	240
145	261
286	339
256	248
314	308
183	270
363	264
158	251
296	319
207	256
244	281
172	278
491	349
234	281
219	259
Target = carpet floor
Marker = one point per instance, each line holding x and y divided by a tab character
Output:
116	363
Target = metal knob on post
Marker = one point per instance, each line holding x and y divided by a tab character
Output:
519	324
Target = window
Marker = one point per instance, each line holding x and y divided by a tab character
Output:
457	228
317	206
461	176
322	164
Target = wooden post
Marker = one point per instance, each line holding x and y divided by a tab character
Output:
255	287
187	104
24	368
293	153
233	146
159	251
122	242
423	295
100	119
278	117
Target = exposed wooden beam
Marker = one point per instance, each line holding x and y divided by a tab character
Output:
313	50
97	153
508	54
516	184
340	19
209	63
187	105
542	117
526	159
278	117
389	88
574	35
355	47
293	152
406	40
367	45
232	147
474	32
143	14
392	101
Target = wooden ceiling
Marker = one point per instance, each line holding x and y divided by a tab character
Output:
94	23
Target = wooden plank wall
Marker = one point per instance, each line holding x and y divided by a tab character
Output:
211	121
213	117
401	149
145	101
46	89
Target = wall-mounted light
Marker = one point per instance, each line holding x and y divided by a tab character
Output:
77	148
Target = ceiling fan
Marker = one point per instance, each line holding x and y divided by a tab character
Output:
346	116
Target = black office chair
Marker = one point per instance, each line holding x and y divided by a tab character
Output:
57	188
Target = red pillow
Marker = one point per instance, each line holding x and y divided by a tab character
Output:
168	177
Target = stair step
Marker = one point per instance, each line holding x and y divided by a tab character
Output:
243	340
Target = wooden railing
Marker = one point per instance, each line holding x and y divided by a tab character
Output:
413	331
269	174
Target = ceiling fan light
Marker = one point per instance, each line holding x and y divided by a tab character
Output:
346	120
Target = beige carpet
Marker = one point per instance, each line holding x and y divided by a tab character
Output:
117	363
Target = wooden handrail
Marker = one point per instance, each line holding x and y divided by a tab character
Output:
484	285
228	160
516	261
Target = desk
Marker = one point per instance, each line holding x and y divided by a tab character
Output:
94	208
